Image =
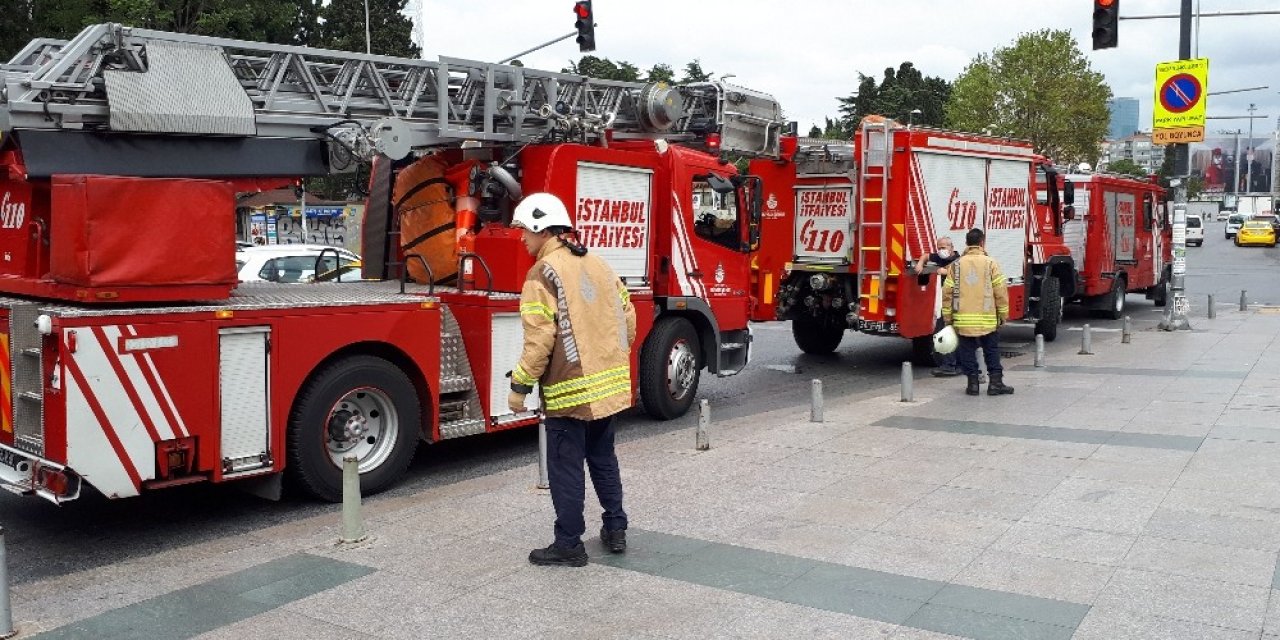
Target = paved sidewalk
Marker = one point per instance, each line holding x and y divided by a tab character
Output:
1134	493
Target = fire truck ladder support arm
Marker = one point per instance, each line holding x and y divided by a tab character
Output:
111	78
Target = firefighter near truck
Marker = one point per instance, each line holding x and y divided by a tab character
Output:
134	361
845	221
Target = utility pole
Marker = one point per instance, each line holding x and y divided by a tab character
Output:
368	43
1248	162
1176	312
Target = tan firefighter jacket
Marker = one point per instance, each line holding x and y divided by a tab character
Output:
578	328
975	298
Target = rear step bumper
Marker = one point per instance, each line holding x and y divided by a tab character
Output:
24	474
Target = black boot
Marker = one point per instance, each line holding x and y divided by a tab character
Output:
615	541
559	556
998	387
972	389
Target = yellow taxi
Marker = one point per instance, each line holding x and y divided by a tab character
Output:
1256	232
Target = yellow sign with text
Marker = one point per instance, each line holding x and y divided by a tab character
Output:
1177	136
1181	86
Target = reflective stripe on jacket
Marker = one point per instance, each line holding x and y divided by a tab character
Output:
975	296
578	329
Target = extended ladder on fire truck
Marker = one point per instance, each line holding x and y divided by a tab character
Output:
365	104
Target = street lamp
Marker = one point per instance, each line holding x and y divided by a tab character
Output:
911	117
1248	165
368	46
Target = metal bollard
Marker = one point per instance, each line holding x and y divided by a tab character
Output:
1213	313
815	408
1126	334
543	481
352	525
704	421
1086	341
1244	300
1039	350
908	393
6	613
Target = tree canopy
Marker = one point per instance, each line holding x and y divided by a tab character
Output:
896	96
1127	167
1043	89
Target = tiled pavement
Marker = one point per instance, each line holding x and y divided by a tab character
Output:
1134	493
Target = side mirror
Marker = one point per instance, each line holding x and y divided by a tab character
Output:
719	184
1069	212
1068	193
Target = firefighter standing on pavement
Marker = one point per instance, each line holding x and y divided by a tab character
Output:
975	301
578	329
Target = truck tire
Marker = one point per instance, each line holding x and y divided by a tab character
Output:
1116	299
1050	308
670	368
1160	297
362	406
815	336
922	351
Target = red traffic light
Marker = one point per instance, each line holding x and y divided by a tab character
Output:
582	10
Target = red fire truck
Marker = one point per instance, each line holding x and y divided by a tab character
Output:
844	225
133	361
1119	236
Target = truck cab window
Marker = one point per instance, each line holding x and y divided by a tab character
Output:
715	211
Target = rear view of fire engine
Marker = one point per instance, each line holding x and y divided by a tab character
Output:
845	226
132	358
1120	238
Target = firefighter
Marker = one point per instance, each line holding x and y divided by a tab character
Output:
578	329
975	301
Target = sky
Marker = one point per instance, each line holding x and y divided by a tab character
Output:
808	52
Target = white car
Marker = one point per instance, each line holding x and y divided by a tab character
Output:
1233	226
1195	230
1223	215
294	263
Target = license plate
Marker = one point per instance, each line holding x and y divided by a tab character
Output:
10	459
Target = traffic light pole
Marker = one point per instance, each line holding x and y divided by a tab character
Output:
1177	307
541	46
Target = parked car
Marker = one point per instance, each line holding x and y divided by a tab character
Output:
295	263
1233	225
1195	230
1256	232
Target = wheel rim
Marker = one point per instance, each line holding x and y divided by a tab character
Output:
682	369
363	423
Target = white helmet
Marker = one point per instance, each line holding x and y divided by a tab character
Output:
539	211
945	340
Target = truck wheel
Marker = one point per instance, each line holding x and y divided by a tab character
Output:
1050	308
815	335
360	406
669	368
922	351
1116	299
1160	297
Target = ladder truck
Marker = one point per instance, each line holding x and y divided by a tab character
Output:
133	360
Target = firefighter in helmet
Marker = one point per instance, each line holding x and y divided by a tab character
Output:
578	329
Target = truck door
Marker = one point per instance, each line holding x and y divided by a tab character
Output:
712	239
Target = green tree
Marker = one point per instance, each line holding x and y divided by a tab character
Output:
1043	89
693	72
1127	167
603	69
391	31
661	73
900	92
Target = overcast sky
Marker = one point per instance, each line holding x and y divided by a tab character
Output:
807	52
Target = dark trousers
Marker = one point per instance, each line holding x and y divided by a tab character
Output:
570	442
968	354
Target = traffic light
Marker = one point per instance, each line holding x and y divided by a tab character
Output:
1106	22
586	25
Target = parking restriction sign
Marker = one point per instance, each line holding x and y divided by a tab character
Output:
1179	112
